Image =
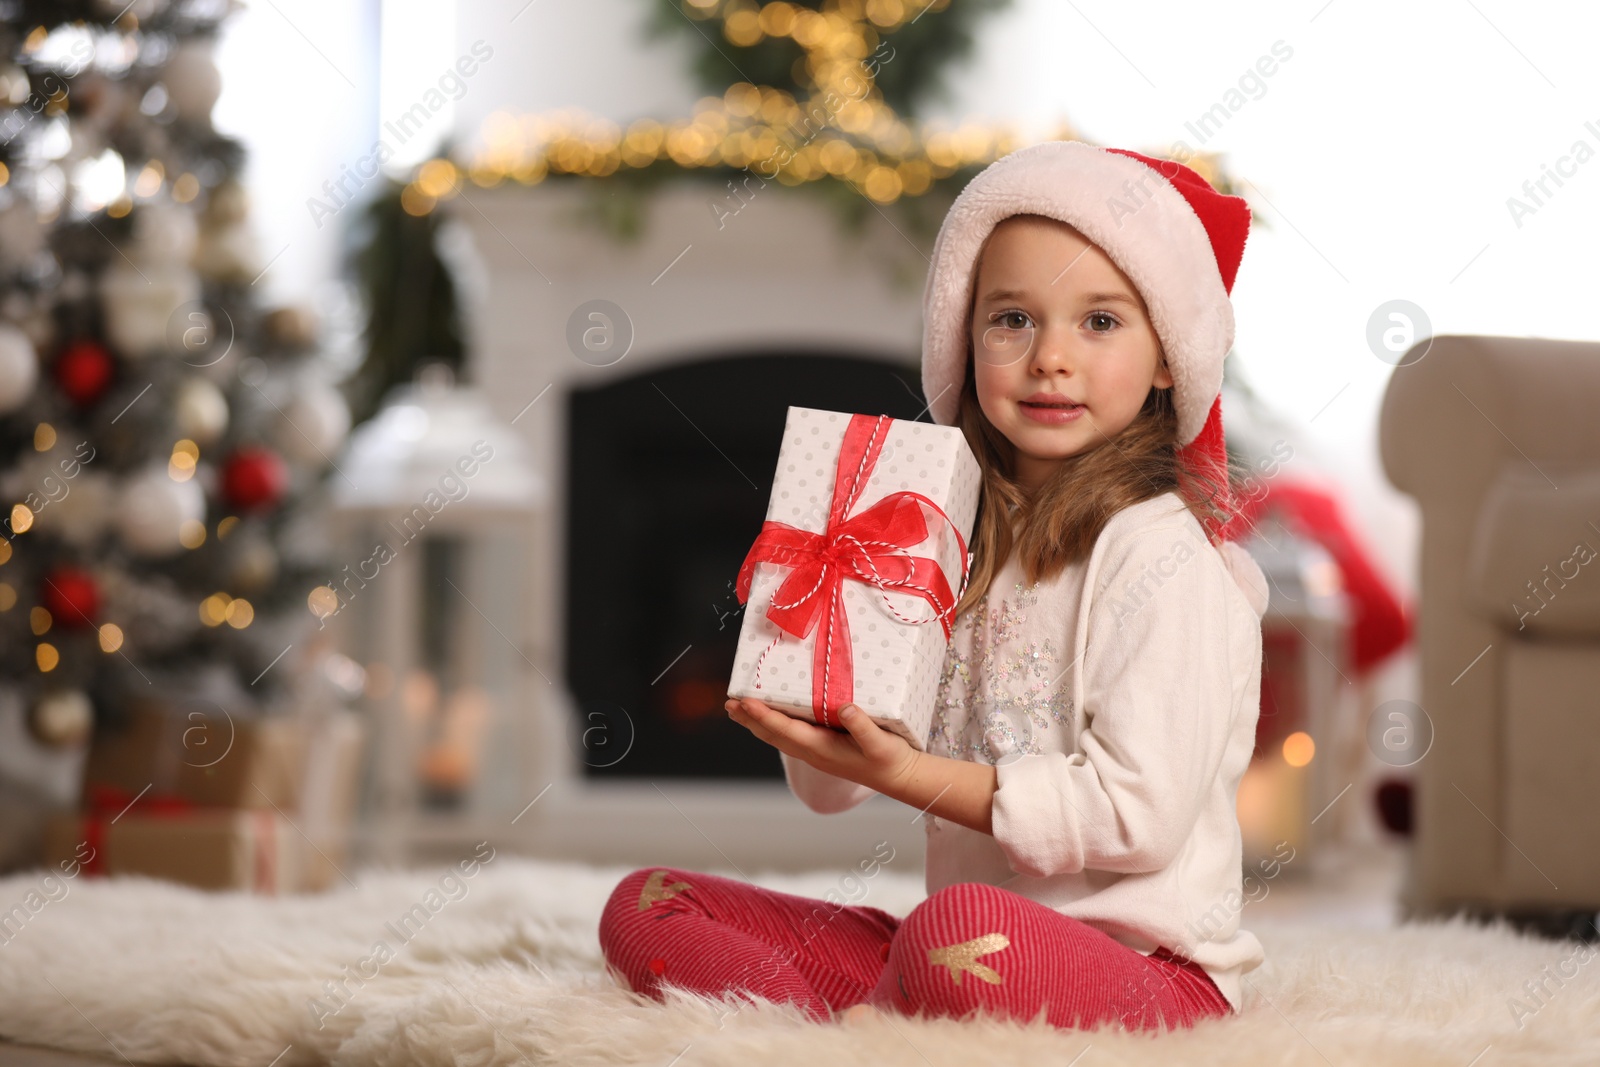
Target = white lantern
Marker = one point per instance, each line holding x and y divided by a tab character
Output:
435	499
1306	757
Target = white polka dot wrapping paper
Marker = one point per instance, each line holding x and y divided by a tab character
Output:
845	587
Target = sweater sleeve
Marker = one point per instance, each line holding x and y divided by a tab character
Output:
823	793
1158	695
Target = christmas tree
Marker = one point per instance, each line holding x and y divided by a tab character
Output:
165	440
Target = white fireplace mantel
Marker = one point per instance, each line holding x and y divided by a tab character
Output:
707	277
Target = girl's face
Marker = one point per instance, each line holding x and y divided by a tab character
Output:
1053	315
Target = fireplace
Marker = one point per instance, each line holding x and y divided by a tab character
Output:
660	461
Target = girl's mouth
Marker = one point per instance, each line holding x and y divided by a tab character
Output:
1051	413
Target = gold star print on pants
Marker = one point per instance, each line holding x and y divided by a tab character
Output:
654	890
964	957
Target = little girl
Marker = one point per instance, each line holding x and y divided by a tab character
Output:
1098	699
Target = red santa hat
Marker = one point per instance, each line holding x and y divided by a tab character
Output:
1177	239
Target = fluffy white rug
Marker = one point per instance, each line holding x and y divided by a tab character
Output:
507	970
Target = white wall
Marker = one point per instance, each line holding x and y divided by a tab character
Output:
1381	153
298	88
592	56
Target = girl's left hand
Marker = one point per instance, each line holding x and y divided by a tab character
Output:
868	755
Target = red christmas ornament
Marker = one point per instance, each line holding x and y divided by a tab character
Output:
71	596
254	478
83	371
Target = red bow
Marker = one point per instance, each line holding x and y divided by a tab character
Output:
868	548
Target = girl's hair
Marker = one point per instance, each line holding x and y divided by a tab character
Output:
1062	519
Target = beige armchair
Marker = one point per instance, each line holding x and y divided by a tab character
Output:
1498	439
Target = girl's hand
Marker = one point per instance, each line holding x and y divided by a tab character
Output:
868	755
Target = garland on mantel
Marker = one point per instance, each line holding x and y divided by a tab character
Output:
817	105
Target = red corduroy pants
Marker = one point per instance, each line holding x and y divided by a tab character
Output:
967	948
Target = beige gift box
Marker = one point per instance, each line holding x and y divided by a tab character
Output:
895	656
254	849
301	845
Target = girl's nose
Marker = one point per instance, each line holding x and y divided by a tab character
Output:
1052	353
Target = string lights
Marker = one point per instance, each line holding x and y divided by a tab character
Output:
842	130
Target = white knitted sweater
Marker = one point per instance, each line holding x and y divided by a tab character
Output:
1118	704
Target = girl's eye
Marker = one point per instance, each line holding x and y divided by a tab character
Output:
1101	315
1008	319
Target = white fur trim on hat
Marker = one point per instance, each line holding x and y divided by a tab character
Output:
1136	217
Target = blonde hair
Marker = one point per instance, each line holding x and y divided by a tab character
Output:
1061	521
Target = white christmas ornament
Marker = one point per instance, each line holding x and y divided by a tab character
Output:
19	368
25	481
228	248
313	425
201	411
32	314
14	85
139	306
152	509
62	718
82	513
21	235
164	234
229	252
192	80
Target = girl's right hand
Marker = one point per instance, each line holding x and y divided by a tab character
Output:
867	754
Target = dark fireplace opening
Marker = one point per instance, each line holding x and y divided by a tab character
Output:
669	473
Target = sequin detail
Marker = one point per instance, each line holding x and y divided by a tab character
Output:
655	888
997	693
962	958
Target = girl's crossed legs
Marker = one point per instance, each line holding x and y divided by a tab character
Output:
967	947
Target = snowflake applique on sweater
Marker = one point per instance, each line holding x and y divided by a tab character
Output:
997	694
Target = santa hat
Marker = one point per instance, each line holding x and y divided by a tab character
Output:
1176	238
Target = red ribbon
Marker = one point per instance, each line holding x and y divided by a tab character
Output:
266	852
869	548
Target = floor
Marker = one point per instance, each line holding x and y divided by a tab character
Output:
1356	888
33	1056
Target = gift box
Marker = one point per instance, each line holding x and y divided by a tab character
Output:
336	747
210	757
302	846
850	588
211	848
